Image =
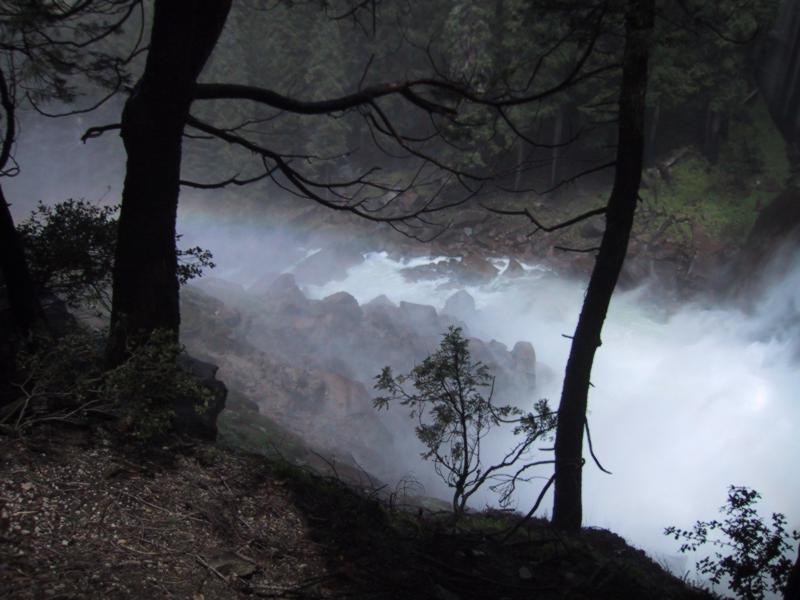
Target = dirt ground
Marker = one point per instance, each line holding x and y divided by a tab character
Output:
82	518
85	515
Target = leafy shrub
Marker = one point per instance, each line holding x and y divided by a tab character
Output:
146	387
452	402
58	380
70	251
756	559
65	381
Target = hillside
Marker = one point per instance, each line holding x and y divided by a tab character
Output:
84	517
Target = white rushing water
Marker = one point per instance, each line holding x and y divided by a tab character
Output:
683	405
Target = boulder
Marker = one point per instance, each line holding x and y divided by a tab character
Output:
438	270
285	296
329	264
500	354
524	357
514	269
342	308
475	268
188	420
381	300
421	317
460	305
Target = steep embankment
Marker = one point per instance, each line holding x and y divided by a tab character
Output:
82	516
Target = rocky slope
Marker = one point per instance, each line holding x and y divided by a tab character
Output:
309	364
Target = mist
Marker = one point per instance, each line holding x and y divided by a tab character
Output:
687	399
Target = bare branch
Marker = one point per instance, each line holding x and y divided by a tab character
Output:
577	250
591	449
95	132
225	183
542	227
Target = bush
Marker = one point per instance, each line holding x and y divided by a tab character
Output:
757	558
147	386
452	402
56	380
64	381
70	251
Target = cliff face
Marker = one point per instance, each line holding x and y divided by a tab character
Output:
770	247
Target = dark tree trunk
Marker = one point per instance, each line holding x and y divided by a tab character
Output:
145	283
27	316
567	508
23	299
792	590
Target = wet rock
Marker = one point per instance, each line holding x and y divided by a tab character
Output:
188	420
497	347
477	269
201	312
460	305
421	317
341	307
524	357
329	264
514	269
378	301
285	296
439	270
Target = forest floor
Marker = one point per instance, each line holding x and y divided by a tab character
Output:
84	516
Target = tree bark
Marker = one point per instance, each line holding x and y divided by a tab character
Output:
145	282
23	299
792	589
27	316
567	507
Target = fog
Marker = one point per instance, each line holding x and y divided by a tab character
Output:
687	400
683	405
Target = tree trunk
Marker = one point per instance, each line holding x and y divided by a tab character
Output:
23	299
145	282
567	508
792	589
27	316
